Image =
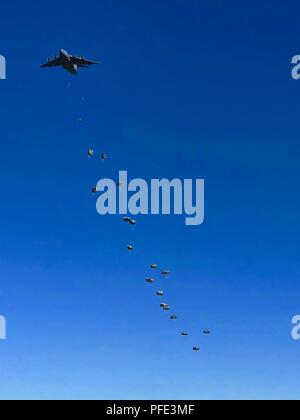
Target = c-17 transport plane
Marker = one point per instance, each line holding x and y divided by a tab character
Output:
71	63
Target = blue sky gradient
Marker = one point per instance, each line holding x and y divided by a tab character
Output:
186	89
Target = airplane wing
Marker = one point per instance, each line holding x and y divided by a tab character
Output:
52	63
82	62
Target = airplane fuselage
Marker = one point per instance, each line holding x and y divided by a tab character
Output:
70	63
67	63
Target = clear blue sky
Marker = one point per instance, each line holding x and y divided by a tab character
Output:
187	89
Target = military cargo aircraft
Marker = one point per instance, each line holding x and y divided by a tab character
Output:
71	63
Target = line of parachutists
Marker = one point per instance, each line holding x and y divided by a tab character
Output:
150	280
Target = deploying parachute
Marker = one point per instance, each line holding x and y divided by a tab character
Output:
91	153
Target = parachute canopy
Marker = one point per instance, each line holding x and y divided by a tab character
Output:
129	220
104	156
166	272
